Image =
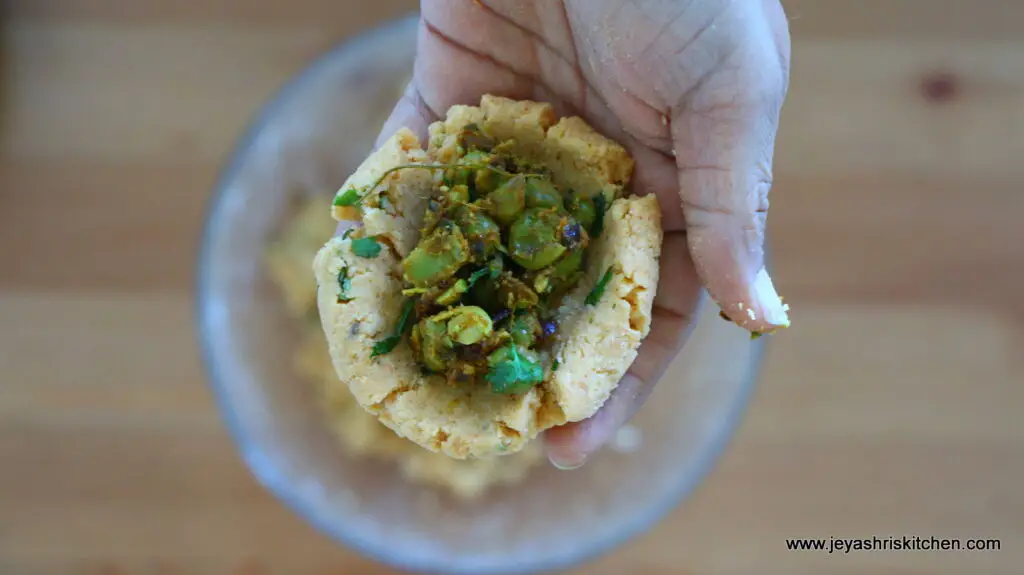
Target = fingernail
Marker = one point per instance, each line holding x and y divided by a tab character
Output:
567	466
771	304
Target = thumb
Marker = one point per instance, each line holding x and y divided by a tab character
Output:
410	112
725	138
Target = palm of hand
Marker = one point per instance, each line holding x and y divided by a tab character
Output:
692	89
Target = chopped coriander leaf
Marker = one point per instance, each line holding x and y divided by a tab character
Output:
349	197
600	206
480	273
475	277
389	343
403	318
755	334
344	285
515	374
595	294
367	247
555	364
385	345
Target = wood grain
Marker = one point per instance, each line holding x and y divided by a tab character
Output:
891	409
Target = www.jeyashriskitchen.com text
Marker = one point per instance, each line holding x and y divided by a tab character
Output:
904	543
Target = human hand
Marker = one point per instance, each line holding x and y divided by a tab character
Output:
693	89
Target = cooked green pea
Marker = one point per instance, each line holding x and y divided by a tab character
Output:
482	233
569	264
583	210
436	347
561	276
535	238
542	193
496	265
507	201
456	175
483	179
437	256
453	293
458	194
514	294
435	210
468	324
542	281
525	329
486	181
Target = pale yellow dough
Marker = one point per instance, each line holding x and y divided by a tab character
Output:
361	434
287	260
596	344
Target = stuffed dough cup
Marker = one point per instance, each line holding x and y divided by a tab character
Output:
501	281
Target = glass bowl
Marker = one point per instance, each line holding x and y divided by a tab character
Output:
306	141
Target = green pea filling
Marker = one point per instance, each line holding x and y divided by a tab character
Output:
501	245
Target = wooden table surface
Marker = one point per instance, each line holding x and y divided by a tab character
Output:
888	409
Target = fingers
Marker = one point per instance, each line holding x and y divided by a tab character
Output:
724	134
675	304
464	52
568	446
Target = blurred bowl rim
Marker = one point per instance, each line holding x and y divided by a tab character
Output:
274	481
